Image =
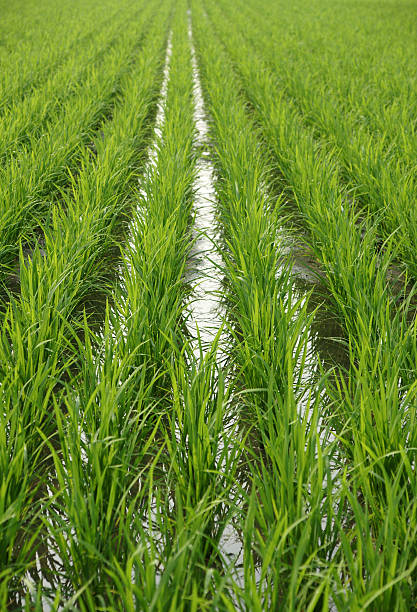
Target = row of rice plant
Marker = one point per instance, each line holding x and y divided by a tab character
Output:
377	164
361	80
26	120
283	495
124	408
37	39
371	405
42	169
41	328
136	471
183	471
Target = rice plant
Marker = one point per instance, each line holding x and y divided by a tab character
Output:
144	466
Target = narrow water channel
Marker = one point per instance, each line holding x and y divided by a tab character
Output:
205	310
207	315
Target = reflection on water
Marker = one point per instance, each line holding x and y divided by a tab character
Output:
205	311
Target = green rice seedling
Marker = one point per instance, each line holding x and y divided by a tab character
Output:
377	568
356	275
39	329
377	333
202	462
37	39
160	240
43	169
21	500
290	534
375	169
290	477
25	121
105	444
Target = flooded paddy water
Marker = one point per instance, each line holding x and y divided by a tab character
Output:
206	318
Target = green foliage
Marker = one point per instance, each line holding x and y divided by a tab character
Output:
139	469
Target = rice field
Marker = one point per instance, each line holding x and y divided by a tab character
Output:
208	297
